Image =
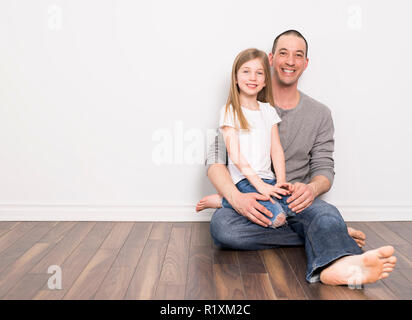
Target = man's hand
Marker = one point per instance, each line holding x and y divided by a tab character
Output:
302	196
246	205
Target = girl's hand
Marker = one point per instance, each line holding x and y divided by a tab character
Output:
272	191
286	186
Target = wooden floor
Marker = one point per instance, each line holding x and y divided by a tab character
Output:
143	260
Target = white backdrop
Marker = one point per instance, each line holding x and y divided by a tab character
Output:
106	106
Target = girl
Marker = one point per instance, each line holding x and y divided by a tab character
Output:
248	123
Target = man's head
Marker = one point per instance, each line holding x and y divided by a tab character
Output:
289	57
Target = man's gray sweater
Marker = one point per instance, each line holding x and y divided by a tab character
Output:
306	133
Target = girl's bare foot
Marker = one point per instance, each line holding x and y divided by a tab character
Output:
212	201
368	267
358	236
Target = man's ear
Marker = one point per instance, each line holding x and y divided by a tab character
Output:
270	57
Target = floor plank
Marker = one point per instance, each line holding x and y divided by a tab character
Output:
18	248
117	280
281	275
174	271
6	226
228	282
250	262
10	236
88	282
59	238
146	277
77	261
257	286
200	282
16	270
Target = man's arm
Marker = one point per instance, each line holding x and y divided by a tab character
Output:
321	168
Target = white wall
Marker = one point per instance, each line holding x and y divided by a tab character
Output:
92	90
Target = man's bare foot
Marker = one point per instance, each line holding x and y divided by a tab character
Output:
368	267
212	201
358	236
279	220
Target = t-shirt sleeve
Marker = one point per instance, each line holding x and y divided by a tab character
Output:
273	116
226	119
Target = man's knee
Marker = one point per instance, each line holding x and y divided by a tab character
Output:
219	226
327	216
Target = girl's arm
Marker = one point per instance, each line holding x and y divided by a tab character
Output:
233	149
278	157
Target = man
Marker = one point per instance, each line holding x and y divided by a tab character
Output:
306	132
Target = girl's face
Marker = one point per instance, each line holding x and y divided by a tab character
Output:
251	77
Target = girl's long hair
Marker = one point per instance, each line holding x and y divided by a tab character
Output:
265	95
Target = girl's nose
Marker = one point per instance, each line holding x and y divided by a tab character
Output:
252	76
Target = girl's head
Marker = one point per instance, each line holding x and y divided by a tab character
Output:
250	77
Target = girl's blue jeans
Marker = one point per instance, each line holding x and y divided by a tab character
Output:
245	186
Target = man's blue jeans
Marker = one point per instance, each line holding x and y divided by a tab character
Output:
320	228
245	186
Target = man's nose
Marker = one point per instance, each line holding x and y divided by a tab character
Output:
290	61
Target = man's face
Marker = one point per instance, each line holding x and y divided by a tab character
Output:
289	60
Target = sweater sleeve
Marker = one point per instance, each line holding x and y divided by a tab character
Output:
216	151
321	155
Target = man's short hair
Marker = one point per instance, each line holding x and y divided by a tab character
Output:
292	32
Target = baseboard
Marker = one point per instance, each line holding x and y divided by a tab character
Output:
102	213
170	213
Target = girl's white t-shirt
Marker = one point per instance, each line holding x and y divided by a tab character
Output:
254	145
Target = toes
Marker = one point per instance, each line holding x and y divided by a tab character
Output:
392	259
384	275
386	251
360	243
356	234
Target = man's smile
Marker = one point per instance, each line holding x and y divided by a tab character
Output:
288	70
